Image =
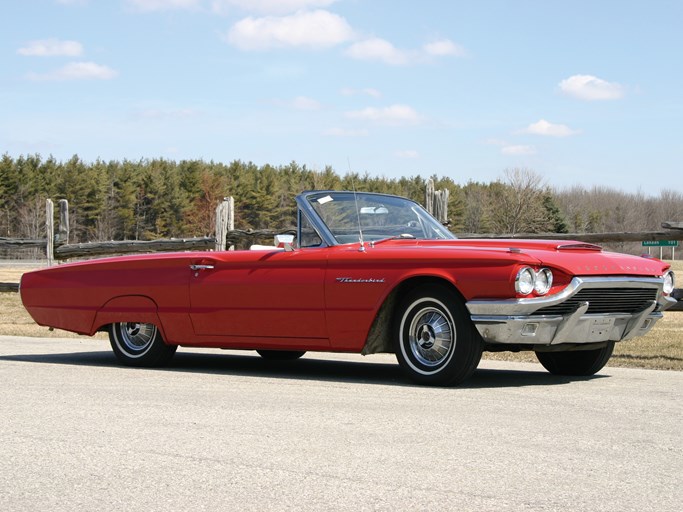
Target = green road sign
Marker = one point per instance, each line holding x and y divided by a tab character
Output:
660	243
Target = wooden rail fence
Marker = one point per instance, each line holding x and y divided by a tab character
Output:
57	247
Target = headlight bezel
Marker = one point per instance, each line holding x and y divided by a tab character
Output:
669	282
544	281
529	281
525	280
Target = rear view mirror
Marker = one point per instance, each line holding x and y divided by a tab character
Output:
374	210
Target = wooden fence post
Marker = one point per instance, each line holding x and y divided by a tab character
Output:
50	229
225	221
436	202
63	228
441	205
429	196
231	217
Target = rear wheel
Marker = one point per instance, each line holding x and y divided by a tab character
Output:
136	344
576	362
281	355
436	342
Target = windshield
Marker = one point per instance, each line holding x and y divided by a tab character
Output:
379	217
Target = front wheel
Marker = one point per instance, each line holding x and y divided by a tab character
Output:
435	341
576	363
136	344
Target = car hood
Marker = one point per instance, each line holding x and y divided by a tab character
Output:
572	257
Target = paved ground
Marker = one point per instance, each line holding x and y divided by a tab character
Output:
228	431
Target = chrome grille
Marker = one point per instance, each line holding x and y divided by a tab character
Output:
604	300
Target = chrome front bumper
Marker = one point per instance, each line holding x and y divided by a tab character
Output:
514	322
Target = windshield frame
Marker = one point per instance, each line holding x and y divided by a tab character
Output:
307	200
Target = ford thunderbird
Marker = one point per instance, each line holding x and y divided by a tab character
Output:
365	273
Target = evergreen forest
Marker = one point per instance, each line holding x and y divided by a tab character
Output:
159	198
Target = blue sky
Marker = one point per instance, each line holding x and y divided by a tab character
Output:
584	93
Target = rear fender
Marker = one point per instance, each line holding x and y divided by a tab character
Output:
128	308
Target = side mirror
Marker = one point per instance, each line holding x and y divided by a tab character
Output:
285	242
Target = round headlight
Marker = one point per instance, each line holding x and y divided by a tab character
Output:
669	282
544	280
524	283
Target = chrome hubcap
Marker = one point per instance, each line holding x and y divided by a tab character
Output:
431	337
136	336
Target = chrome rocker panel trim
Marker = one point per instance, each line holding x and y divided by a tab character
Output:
512	322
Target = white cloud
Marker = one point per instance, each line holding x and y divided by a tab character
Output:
77	71
275	7
368	91
408	154
163	5
382	50
393	115
518	150
444	47
590	88
314	29
543	127
344	132
268	6
51	48
379	49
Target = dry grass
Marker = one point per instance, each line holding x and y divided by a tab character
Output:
661	349
12	274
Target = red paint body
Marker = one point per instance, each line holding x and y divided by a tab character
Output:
294	299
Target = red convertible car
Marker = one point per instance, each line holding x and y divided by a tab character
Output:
366	273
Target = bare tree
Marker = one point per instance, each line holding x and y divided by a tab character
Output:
670	206
31	216
517	205
476	206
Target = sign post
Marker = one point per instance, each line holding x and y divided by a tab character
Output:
661	244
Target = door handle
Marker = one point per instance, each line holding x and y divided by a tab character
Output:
201	267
